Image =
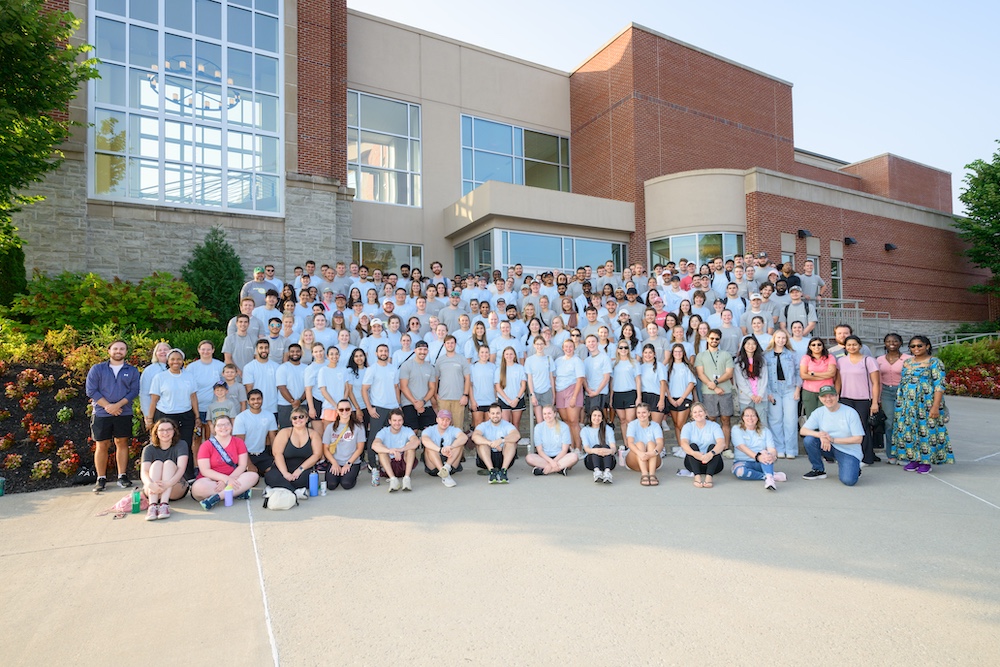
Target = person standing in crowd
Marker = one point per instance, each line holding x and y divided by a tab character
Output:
483	392
921	416
157	365
454	384
262	373
833	431
784	386
256	289
380	393
626	384
112	386
173	394
751	378
418	381
890	368
818	369
715	370
569	377
540	369
332	384
681	382
291	384
206	372
840	334
860	386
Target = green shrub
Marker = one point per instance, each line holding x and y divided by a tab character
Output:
85	302
12	270
13	343
215	274
965	355
188	341
140	343
978	327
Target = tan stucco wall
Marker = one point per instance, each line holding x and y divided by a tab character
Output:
708	200
447	78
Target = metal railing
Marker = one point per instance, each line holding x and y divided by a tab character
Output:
952	338
867	324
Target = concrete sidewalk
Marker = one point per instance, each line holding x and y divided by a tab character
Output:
899	570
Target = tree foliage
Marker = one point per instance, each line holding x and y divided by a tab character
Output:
40	73
981	226
215	275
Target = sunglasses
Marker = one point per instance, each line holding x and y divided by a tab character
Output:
916	345
623	348
298	418
575	335
343	409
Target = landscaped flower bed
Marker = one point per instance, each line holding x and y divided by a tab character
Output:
981	381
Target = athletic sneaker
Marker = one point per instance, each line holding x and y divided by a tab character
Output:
302	494
102	482
152	514
407	486
923	469
443	472
210	502
780	477
769	483
163	512
564	472
124	481
911	466
684	472
494	476
607	477
598	475
727	454
448	481
245	495
502	476
394	484
538	472
814	474
375	477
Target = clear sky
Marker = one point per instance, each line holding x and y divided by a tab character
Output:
918	79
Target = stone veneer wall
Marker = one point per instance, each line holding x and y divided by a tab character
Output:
65	232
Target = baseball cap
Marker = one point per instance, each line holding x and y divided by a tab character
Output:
827	390
220	383
258	269
338	313
377	321
327	290
444	413
794	288
420	343
762	254
341	295
756	296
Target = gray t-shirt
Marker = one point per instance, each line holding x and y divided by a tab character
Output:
452	372
811	285
419	377
242	349
151	453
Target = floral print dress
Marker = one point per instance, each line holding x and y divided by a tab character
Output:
920	437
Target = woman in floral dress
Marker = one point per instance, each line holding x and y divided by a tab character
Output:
921	416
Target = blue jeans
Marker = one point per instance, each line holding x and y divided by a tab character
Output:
889	408
784	423
752	469
848	467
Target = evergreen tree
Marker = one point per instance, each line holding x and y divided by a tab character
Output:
215	275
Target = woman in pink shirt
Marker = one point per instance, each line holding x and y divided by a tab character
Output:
222	462
890	366
817	368
860	388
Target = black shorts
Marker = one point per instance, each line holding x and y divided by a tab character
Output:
415	420
106	428
623	400
651	400
520	404
496	459
685	405
262	461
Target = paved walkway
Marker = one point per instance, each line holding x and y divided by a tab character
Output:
899	570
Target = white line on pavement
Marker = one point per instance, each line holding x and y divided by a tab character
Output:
263	593
997	507
988	456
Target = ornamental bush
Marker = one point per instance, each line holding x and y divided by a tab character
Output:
981	352
87	301
187	341
215	274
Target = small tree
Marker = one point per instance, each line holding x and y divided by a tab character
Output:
981	228
11	264
215	275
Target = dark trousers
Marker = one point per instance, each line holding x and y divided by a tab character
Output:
346	481
713	467
863	407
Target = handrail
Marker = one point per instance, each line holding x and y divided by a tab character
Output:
953	339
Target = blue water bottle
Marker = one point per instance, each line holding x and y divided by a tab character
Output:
313	484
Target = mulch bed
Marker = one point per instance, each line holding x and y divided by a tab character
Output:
66	439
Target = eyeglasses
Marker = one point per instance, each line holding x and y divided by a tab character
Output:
343	409
815	344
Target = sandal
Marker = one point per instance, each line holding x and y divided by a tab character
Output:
697	482
644	480
708	482
653	480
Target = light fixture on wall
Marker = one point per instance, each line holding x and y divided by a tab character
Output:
889	246
804	233
850	240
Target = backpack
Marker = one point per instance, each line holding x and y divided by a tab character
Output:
804	303
279	498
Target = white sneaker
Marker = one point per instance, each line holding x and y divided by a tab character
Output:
407	486
444	472
677	452
448	481
607	476
727	454
684	472
780	477
769	483
598	475
393	484
302	494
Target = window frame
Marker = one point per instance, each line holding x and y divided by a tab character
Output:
518	156
414	177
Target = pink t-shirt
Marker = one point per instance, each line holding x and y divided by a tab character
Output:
208	451
854	380
891	372
810	365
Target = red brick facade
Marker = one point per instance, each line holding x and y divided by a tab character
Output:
901	179
925	278
322	88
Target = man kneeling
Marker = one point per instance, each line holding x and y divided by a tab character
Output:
496	445
443	447
396	446
833	432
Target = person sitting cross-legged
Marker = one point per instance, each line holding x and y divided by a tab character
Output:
396	447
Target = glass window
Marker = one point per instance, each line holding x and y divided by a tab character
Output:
182	112
698	248
788	258
267	6
836	279
501	152
482	253
709	245
598	252
387	257
534	249
463	258
383	149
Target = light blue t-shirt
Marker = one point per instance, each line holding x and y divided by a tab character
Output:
623	376
651	378
568	371
640	434
680	378
263	376
481	378
842	423
293	378
703	437
495	432
395	440
442	439
253	428
515	376
595	368
334	380
540	368
552	440
382	382
205	376
174	392
755	442
589	437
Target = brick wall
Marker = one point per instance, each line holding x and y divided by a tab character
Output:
925	278
322	86
904	180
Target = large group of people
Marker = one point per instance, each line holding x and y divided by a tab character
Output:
342	367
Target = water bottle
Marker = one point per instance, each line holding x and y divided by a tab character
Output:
621	455
227	496
313	484
136	501
323	488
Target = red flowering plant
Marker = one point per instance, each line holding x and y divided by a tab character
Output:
981	381
42	469
29	401
12	461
